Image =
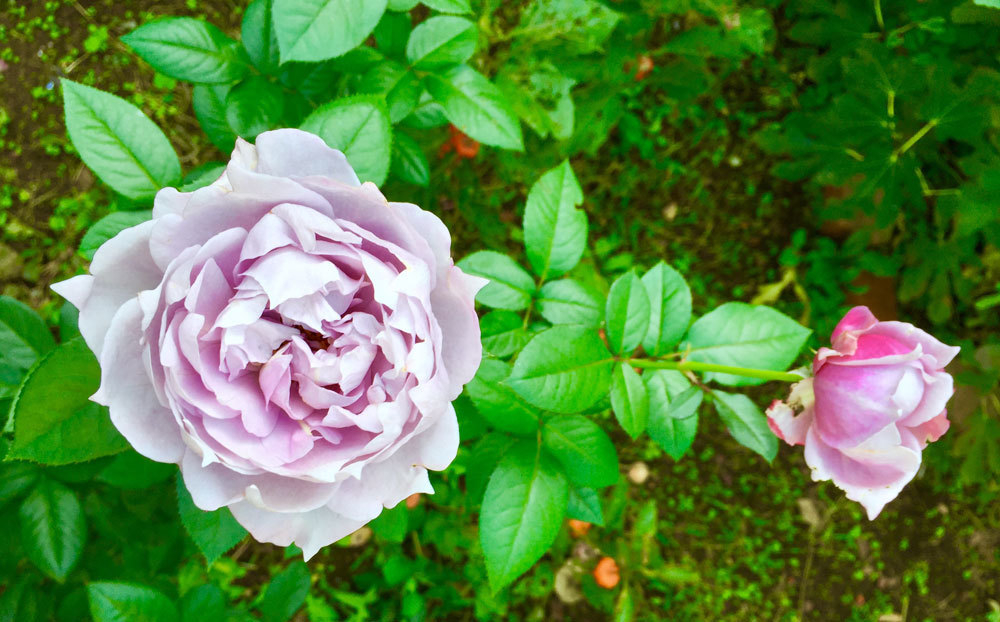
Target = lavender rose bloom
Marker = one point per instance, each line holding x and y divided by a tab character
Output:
874	402
288	337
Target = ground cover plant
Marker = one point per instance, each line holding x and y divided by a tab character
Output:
643	194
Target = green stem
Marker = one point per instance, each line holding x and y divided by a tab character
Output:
746	372
878	15
914	139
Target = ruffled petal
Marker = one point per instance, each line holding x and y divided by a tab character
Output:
871	476
294	153
126	390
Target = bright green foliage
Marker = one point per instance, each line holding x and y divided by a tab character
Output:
474	105
24	338
53	529
498	403
408	160
585	504
286	593
743	335
121	602
108	227
214	532
555	232
260	39
628	313
126	150
360	128
503	333
510	286
522	512
746	423
254	106
315	30
629	399
189	49
585	451
209	104
673	410
55	422
669	308
569	302
442	41
397	84
565	369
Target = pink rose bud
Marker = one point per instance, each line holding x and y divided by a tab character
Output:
874	402
289	337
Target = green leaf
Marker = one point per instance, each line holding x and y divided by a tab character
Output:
286	593
629	400
392	32
498	403
132	471
119	143
399	86
565	369
673	410
315	30
391	525
568	302
54	420
53	529
585	504
408	160
503	333
213	532
510	285
188	49
24	337
107	228
587	455
129	602
253	106
555	232
522	512
627	312
428	114
209	103
15	479
358	126
488	452
669	311
743	335
402	5
474	105
206	174
204	602
260	39
449	6
442	41
746	423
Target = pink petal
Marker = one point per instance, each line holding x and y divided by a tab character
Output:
150	427
872	477
294	153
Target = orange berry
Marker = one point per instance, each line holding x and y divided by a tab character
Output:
465	147
578	528
606	573
645	67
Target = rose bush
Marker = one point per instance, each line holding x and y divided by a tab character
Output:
288	337
874	402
